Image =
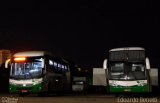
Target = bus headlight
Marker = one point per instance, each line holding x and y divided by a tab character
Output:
37	81
140	83
113	83
13	82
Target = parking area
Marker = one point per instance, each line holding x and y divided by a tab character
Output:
7	98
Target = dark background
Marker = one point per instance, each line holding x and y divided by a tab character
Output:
80	30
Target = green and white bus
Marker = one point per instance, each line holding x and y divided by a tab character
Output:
127	70
38	72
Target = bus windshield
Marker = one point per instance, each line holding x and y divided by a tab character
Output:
26	70
127	71
137	71
117	71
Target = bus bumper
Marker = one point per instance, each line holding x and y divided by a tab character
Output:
131	89
25	89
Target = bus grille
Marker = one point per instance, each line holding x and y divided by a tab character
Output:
26	88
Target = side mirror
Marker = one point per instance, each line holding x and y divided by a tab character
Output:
7	63
105	64
147	63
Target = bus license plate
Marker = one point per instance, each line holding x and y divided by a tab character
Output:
24	91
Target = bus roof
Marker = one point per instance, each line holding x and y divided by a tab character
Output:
31	53
126	48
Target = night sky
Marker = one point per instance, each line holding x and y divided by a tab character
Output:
80	30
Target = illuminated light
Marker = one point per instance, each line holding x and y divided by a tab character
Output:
63	66
20	59
50	62
79	69
24	85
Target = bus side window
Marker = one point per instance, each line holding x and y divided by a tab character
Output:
133	68
138	69
55	65
59	67
63	69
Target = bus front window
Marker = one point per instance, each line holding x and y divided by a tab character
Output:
26	70
137	72
127	71
117	71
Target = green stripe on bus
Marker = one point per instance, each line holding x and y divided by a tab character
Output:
132	89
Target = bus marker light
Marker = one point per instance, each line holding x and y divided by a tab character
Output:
20	59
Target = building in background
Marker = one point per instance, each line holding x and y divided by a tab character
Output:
4	55
4	73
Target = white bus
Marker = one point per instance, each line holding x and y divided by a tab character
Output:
127	70
38	72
